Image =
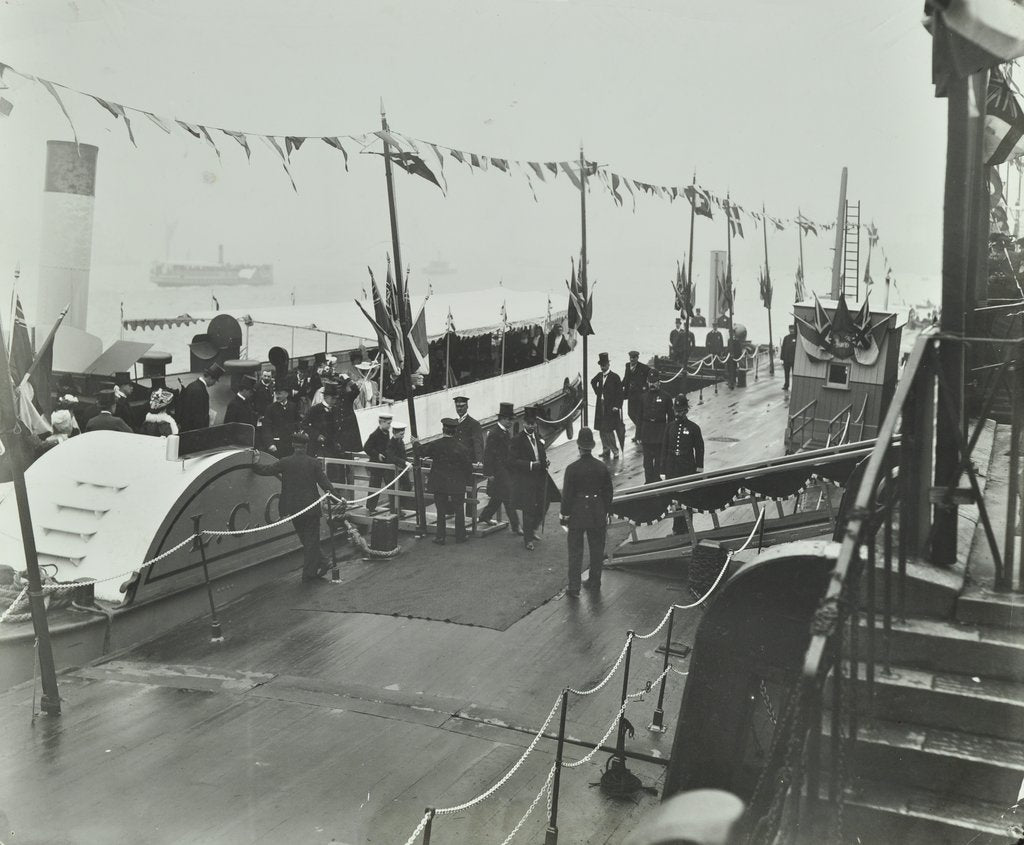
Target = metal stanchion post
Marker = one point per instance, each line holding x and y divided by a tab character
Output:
430	824
700	392
551	835
617	780
659	713
216	635
335	575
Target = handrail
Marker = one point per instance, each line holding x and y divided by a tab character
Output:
831	424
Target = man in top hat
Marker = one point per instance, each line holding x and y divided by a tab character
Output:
655	413
556	342
302	389
194	400
241	408
395	454
532	487
498	471
608	405
122	398
376	447
673	337
451	472
683	452
301	475
105	420
586	501
369	392
280	422
788	355
469	433
634	382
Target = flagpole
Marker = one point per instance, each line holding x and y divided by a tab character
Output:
689	281
728	267
583	282
447	358
800	235
768	282
14	295
504	318
421	513
50	701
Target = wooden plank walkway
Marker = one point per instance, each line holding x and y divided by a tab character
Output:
312	726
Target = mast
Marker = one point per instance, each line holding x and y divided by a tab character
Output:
771	294
50	701
837	257
728	267
800	235
403	318
583	280
689	281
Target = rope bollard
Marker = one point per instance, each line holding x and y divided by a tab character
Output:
430	823
617	780
658	724
551	835
216	635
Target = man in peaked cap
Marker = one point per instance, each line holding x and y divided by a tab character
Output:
300	476
498	470
241	408
683	452
280	422
586	500
469	432
451	472
634	383
396	455
194	400
532	487
608	405
376	447
655	413
105	420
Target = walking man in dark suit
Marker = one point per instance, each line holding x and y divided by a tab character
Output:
241	408
469	432
654	418
788	355
531	484
498	471
105	419
634	382
586	500
376	447
280	422
608	405
301	476
194	400
451	472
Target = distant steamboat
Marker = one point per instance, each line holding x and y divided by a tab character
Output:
178	274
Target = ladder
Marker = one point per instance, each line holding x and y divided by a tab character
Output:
851	251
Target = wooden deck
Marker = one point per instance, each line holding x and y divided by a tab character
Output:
310	726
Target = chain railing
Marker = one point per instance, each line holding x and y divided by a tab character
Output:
905	501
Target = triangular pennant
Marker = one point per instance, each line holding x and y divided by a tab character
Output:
292	142
536	168
209	140
333	141
188	127
117	110
271	142
159	121
568	171
552	166
53	91
242	140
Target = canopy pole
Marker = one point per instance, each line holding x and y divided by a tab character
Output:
421	513
583	283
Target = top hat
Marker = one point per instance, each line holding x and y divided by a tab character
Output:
105	397
461	399
247	382
585	439
122	378
634	354
506	410
530	413
214	371
332	388
449	425
602	358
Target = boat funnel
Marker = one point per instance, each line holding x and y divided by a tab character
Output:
66	250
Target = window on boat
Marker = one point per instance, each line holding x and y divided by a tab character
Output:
838	375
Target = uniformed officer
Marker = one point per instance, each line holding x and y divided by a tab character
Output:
655	413
376	447
684	450
586	500
451	472
322	424
469	432
634	383
280	422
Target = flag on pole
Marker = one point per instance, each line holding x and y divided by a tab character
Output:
40	374
1004	121
449	323
868	281
549	319
391	294
21	345
732	211
504	317
383	319
806	225
575	311
419	346
699	200
684	290
383	341
724	285
766	288
801	290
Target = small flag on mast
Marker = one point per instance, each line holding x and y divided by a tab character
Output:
418	343
449	324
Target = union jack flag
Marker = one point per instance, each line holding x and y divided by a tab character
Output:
21	345
1004	121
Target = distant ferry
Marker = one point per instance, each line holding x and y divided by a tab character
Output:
177	274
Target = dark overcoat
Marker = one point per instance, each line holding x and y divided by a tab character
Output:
451	470
193	406
241	410
587	493
471	435
634	382
608	403
301	476
496	463
529	485
655	413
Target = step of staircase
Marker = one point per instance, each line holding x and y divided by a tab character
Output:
958	764
980	605
985	706
882	813
940	646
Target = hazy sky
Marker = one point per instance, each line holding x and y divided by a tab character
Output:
766	99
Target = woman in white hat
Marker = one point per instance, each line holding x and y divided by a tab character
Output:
369	394
159	421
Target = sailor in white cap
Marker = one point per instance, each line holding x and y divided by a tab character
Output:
396	455
376	448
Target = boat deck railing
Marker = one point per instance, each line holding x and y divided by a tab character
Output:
905	509
799	436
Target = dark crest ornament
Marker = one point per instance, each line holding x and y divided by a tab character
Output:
844	335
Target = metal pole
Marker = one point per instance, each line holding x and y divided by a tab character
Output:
421	512
50	701
693	287
447	358
658	724
216	635
583	280
768	305
551	835
429	825
620	743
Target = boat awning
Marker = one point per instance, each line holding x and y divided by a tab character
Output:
473	313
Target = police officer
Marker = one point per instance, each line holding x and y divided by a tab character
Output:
451	471
655	413
788	355
684	450
586	500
